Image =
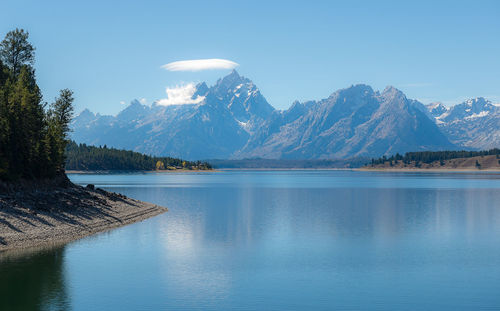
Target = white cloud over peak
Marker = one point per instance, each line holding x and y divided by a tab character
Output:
180	95
200	64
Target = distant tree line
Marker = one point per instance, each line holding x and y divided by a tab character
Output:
33	135
432	156
82	157
289	163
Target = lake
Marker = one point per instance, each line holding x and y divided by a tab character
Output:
278	240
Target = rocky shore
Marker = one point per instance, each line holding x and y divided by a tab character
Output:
58	211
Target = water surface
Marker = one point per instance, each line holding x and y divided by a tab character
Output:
279	240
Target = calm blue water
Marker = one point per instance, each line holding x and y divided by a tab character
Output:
280	240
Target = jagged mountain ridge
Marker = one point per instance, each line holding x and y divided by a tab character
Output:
475	123
214	128
234	120
352	122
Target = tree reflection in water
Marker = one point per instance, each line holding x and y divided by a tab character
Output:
33	281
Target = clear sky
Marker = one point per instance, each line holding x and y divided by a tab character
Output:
112	52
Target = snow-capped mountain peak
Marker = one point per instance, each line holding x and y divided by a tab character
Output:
473	123
436	109
233	119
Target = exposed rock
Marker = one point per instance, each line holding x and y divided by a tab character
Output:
353	122
35	213
474	123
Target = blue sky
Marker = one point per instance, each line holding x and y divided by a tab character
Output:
112	52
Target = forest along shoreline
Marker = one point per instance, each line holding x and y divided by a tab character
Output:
439	161
38	203
55	211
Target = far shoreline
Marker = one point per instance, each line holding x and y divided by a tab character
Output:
435	170
217	170
356	169
136	171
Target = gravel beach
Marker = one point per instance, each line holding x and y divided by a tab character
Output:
57	211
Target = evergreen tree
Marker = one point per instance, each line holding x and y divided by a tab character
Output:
4	124
431	156
32	140
83	157
59	116
15	50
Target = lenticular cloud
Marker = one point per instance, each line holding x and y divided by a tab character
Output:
200	64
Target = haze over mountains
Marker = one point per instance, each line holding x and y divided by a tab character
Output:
232	119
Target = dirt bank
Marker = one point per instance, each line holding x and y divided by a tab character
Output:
57	211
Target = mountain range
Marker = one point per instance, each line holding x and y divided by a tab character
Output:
233	120
474	123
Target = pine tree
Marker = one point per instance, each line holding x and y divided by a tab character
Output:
4	124
26	124
16	51
59	116
32	141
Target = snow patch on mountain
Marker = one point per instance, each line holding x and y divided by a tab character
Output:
232	119
477	115
474	123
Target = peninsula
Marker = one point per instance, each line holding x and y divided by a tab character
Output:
48	212
38	203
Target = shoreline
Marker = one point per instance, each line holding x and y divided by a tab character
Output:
138	172
480	163
46	216
288	169
218	170
436	170
359	169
